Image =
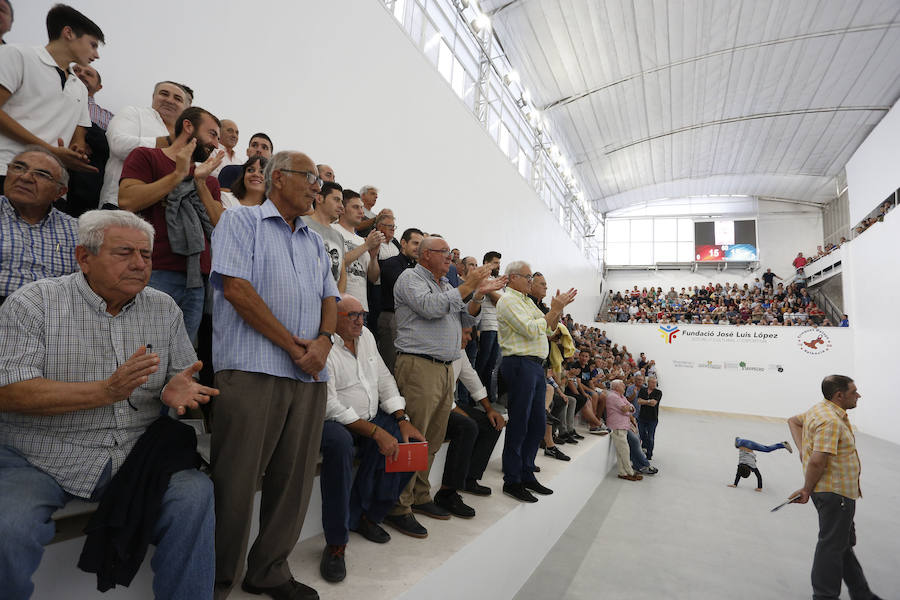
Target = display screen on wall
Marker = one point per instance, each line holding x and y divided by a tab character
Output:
725	240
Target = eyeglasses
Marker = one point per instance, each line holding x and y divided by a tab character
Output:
355	315
20	169
311	176
445	252
526	277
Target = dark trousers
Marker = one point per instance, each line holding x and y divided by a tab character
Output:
834	559
372	493
647	431
525	428
486	360
472	440
462	394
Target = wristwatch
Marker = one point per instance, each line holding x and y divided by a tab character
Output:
403	417
327	334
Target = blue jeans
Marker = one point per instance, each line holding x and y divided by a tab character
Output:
638	460
184	561
738	442
486	360
525	426
189	300
372	493
647	430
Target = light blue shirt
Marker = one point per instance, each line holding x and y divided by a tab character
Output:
31	252
291	272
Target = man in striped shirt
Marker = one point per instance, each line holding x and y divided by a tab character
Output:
831	467
523	331
36	240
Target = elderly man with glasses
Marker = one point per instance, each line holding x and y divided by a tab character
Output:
523	331
274	313
430	314
364	417
38	241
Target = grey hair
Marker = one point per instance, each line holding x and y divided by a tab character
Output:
515	266
280	160
425	244
616	382
366	188
653	378
35	149
94	223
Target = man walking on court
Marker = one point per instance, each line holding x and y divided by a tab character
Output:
831	470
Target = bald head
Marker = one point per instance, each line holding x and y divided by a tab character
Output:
350	318
229	134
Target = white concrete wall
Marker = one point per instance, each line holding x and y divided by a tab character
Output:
872	173
701	367
340	80
871	289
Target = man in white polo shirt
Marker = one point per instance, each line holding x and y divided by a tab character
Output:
42	101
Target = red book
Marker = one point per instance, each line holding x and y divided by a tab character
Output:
413	456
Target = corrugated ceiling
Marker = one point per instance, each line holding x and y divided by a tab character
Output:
655	99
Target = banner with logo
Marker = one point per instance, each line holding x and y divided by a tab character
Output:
770	371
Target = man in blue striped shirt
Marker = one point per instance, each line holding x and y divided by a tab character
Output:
36	240
274	311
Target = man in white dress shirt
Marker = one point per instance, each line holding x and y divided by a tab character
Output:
365	417
228	139
142	126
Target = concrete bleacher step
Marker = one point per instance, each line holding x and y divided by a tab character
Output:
459	559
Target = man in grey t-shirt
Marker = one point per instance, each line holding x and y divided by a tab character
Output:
328	209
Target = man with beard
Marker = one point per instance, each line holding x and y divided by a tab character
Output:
157	181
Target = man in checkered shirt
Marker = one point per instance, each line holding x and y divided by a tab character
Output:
831	467
87	362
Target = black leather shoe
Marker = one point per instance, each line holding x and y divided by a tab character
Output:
289	590
332	567
453	503
551	420
372	531
430	509
473	487
537	488
577	435
517	491
537	469
556	453
559	440
407	525
570	438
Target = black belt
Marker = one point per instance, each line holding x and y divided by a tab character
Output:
427	357
536	359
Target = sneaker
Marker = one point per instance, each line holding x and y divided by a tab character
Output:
430	509
407	524
518	491
559	440
556	453
595	430
534	486
332	567
453	503
570	438
473	487
577	435
372	531
787	446
648	470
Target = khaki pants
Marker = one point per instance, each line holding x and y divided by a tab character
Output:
267	428
623	453
427	387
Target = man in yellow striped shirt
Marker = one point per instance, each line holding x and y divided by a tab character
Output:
831	468
522	331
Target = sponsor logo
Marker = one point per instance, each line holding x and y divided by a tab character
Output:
709	365
668	332
778	368
683	364
814	341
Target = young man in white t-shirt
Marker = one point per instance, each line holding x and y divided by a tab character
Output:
360	254
42	101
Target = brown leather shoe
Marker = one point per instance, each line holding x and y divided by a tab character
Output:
631	477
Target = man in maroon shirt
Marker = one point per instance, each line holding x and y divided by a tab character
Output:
149	175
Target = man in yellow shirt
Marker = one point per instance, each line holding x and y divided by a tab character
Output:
522	330
831	470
